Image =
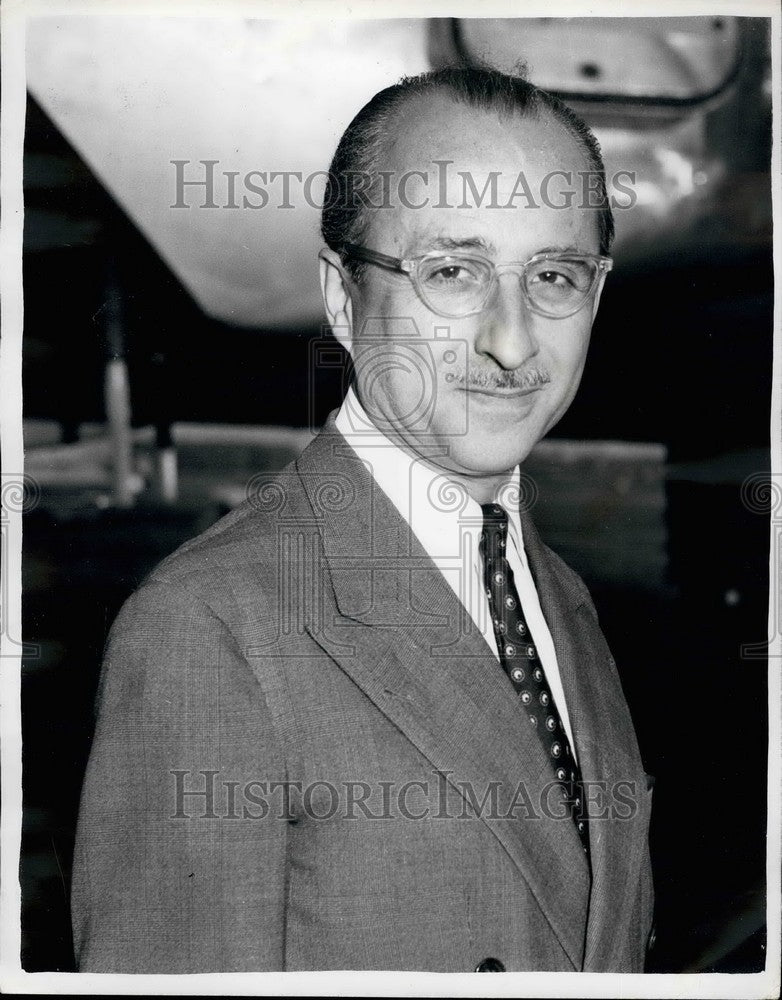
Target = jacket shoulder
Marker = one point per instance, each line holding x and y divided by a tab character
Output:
243	548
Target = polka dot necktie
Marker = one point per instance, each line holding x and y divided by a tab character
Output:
519	659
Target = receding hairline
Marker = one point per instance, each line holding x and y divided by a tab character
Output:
375	136
536	111
395	137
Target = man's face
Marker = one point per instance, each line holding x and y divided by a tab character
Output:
472	394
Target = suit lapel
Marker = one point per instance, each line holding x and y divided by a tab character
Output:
397	629
607	751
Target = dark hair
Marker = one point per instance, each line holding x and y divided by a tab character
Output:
345	216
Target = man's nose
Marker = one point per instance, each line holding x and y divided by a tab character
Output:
506	332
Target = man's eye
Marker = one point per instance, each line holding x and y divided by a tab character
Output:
562	276
453	274
552	278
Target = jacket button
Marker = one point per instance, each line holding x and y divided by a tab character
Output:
490	965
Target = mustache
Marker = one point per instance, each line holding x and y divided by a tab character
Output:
528	379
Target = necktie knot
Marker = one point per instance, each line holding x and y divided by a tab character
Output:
494	534
494	514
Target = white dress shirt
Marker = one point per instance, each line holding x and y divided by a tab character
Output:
448	524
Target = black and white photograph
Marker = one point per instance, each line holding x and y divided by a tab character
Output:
391	498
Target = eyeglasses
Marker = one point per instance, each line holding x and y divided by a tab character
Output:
457	285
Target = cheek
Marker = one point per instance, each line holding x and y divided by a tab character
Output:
568	352
402	355
398	375
408	383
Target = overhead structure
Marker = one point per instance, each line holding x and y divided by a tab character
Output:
213	133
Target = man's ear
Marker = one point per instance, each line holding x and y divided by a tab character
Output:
334	287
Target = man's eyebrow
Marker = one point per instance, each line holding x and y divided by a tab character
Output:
461	243
563	249
450	243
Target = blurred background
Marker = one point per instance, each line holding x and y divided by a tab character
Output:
171	353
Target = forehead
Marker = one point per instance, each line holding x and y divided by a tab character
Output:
463	173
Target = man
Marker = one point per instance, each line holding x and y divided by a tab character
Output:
368	720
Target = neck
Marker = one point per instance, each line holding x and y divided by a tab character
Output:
483	488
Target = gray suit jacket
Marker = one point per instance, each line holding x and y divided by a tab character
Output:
306	759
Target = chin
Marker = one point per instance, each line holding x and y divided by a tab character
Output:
490	460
